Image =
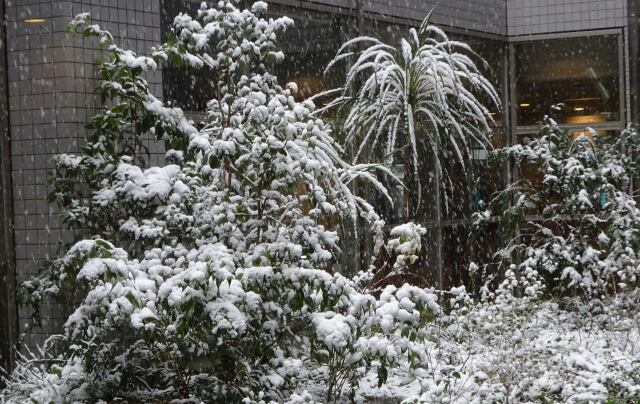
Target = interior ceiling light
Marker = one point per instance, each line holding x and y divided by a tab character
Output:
579	109
34	20
525	105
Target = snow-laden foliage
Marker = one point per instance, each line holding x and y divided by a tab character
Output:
399	260
421	100
187	323
574	221
260	174
406	241
525	350
204	278
502	349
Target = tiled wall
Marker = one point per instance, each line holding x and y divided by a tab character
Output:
51	85
503	17
477	15
546	16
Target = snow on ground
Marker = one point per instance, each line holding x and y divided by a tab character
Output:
516	350
524	351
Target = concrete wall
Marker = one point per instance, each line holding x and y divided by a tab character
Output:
477	15
527	17
51	85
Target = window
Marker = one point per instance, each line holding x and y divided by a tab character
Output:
581	75
308	47
187	88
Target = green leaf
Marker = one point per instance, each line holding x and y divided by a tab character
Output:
382	375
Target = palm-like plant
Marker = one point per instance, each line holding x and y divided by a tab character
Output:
424	95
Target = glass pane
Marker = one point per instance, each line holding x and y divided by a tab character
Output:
309	46
187	88
491	63
582	74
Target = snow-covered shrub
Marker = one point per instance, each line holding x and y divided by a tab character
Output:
503	349
398	261
528	350
261	175
416	104
188	323
574	222
376	335
406	241
204	279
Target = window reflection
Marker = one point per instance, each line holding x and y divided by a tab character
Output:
309	46
581	75
185	87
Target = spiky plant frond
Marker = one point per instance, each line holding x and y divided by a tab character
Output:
427	92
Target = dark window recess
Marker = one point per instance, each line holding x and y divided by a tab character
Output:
308	47
581	74
187	88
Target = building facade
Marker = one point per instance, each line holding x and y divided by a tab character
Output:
581	53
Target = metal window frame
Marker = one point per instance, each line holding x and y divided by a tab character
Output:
8	308
564	35
623	107
633	56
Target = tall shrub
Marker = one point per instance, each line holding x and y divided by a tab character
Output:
422	100
203	279
573	221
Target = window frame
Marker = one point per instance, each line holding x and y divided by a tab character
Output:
532	129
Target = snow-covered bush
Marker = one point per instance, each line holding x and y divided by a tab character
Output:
506	348
574	222
416	104
188	323
406	241
204	278
399	260
261	175
528	350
